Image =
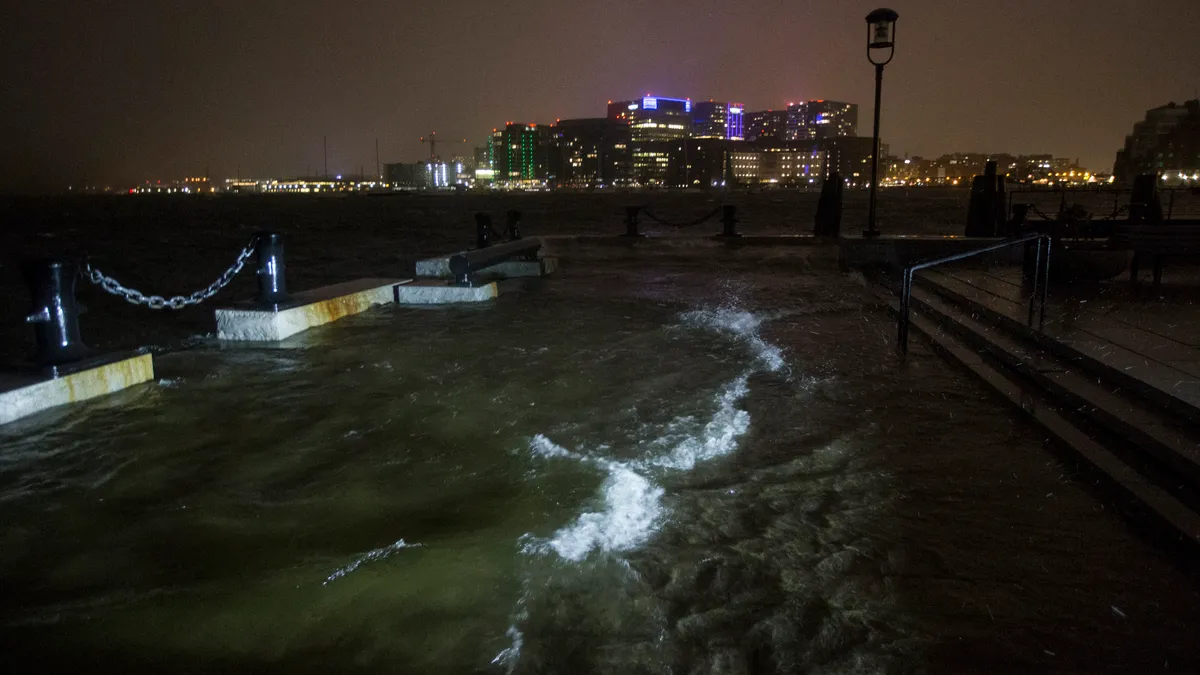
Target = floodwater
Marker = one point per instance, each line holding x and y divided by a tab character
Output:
668	459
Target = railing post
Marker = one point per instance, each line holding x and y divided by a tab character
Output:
1037	273
905	293
272	270
729	221
483	230
1045	281
514	220
54	314
631	221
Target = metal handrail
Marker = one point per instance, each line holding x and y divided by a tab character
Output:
1041	269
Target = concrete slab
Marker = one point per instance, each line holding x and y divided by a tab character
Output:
439	268
251	322
432	292
32	395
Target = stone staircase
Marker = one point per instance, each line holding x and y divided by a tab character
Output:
1129	420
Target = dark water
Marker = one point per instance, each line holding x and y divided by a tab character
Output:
670	460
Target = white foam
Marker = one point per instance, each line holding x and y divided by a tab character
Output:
632	509
370	556
744	326
544	447
720	435
509	655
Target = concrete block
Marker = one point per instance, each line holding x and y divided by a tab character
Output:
430	292
30	395
253	323
439	268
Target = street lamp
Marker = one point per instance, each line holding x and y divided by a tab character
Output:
881	35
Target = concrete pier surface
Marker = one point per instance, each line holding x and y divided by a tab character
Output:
252	322
434	292
21	396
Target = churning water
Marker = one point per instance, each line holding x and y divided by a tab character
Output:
651	464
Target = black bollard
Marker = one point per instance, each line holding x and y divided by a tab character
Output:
55	314
729	220
631	221
829	207
1144	203
272	271
483	230
514	219
985	213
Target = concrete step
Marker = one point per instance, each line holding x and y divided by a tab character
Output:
1158	438
1166	517
1115	366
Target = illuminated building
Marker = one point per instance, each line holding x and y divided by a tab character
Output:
1167	142
654	118
850	156
654	122
591	152
821	119
521	154
766	124
778	166
713	119
426	175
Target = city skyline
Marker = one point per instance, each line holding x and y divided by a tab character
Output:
145	90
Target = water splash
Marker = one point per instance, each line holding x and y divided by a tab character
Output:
370	556
743	326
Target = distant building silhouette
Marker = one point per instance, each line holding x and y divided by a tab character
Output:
821	119
766	124
1167	142
591	152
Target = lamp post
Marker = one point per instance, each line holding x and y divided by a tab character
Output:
881	35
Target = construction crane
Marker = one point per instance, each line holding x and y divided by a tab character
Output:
432	140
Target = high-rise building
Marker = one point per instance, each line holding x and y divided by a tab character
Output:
654	118
1167	142
820	119
591	152
521	154
766	124
715	119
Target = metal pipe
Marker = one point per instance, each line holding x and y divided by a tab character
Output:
462	265
872	230
1045	282
1037	272
911	270
272	270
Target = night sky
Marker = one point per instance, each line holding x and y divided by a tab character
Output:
125	91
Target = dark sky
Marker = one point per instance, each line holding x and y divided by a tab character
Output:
137	89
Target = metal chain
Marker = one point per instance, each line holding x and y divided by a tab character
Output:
700	221
136	297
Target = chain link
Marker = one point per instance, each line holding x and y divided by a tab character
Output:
136	297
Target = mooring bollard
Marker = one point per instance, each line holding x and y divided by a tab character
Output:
272	271
631	221
55	314
729	220
483	230
829	207
514	220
